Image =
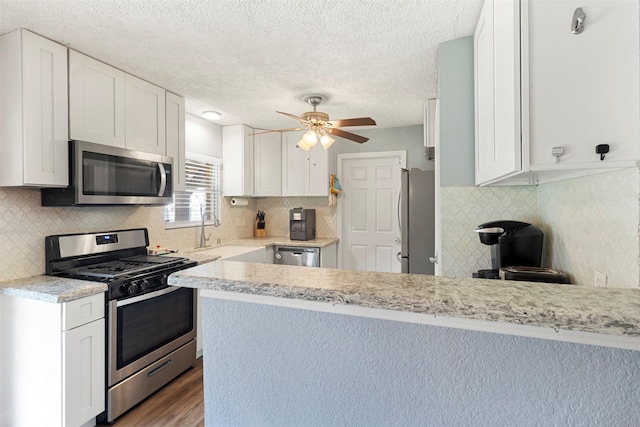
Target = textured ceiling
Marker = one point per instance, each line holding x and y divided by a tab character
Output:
249	58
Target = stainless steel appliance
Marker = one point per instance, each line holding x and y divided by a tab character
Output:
302	224
105	175
416	216
151	327
294	255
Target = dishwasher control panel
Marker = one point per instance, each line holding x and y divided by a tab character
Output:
297	255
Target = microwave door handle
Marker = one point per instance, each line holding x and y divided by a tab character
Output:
163	179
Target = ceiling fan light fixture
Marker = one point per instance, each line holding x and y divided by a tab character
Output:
303	145
310	138
211	115
326	141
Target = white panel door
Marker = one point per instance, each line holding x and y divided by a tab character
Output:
369	229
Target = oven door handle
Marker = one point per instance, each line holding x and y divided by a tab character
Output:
150	295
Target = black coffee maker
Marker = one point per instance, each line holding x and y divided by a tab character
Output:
513	243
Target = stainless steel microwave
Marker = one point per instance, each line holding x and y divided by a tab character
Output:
105	175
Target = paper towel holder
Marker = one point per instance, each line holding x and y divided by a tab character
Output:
239	201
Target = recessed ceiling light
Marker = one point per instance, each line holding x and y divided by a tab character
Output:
211	115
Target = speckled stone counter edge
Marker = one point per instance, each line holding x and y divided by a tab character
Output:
51	289
609	312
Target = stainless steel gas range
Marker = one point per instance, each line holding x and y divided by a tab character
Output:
150	326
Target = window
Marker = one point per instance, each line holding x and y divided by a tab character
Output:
202	193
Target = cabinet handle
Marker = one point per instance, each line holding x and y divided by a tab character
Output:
577	22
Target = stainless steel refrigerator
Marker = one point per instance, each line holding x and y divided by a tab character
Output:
417	221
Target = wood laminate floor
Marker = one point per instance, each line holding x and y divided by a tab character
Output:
178	404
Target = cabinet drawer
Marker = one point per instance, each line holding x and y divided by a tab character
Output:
82	311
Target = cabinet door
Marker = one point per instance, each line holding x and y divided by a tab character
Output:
293	161
83	373
46	132
268	164
583	88
237	161
507	157
175	122
96	101
317	172
484	95
145	116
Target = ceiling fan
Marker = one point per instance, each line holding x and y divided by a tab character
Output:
320	128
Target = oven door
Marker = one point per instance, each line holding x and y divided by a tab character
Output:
144	328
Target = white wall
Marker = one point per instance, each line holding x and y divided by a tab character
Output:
203	136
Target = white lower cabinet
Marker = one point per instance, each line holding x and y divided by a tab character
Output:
53	361
329	256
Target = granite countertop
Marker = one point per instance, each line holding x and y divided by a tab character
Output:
51	289
319	242
554	307
235	247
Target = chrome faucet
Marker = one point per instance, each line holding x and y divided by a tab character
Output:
216	223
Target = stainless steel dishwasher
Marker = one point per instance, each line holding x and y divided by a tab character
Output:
296	255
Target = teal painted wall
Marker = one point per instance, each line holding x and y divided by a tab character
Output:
455	91
410	138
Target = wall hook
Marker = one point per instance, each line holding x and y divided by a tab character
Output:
602	149
577	22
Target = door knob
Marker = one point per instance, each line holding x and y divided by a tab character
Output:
433	259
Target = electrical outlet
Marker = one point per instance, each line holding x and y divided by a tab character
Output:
599	279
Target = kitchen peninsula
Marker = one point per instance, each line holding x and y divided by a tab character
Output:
297	346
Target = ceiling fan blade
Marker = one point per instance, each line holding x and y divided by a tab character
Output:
276	130
360	121
300	119
348	135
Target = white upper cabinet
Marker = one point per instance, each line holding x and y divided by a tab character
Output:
583	88
237	161
268	164
144	116
96	101
108	106
34	122
546	97
175	134
304	173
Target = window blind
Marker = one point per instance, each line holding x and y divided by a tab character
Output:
202	193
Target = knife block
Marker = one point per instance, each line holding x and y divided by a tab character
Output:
259	232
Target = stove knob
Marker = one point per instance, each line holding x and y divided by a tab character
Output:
163	279
144	285
133	289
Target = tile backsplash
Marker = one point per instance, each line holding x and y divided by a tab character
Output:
464	208
590	223
24	225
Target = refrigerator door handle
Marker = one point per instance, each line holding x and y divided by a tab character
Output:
399	219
